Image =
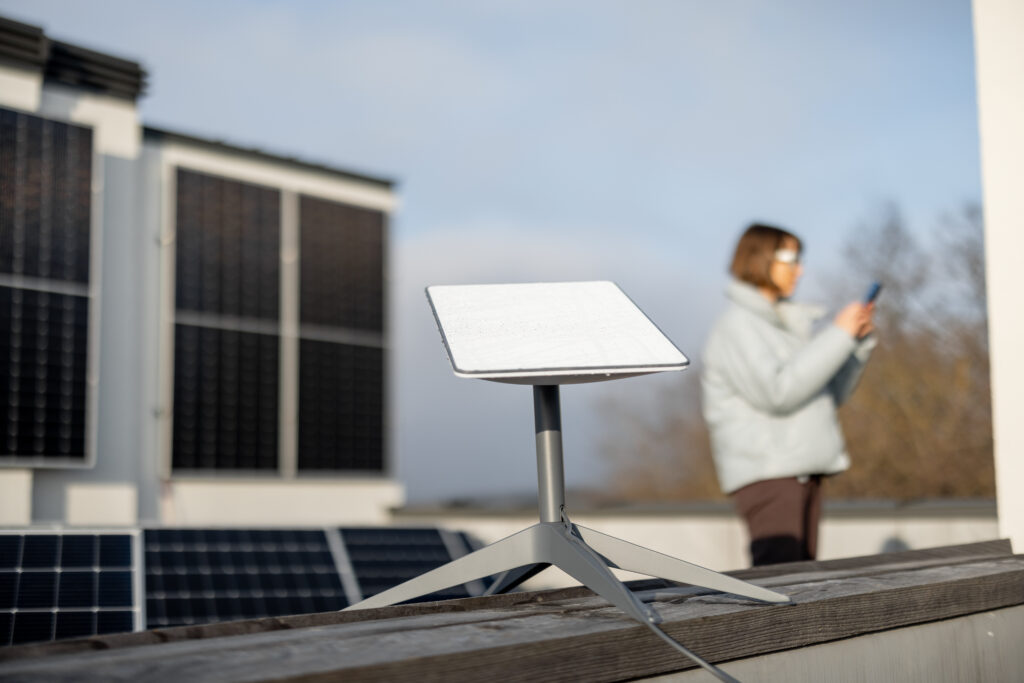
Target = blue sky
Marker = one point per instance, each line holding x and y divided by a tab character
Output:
568	140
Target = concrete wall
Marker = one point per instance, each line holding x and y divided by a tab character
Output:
979	647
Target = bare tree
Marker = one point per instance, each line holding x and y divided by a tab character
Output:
919	425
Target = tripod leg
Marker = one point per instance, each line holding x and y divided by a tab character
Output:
571	555
507	553
635	558
511	578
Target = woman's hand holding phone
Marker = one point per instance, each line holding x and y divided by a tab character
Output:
855	319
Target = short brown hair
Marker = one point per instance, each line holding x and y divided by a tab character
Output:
755	252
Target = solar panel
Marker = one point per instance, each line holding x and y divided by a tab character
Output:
227	306
43	386
45	234
384	557
67	584
196	576
225	399
341	265
341	407
228	239
80	583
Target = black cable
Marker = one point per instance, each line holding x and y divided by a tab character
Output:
708	666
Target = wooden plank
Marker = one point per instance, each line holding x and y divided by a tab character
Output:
993	548
581	639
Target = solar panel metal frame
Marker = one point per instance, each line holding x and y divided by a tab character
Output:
92	296
138	608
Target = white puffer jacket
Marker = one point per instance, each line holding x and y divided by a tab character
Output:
771	388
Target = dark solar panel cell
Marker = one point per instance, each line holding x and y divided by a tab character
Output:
77	589
219	536
228	246
6	619
44	338
342	265
170	559
32	627
341	407
115	589
40	551
78	551
45	195
261	536
8	589
10	551
75	624
37	589
155	610
225	399
115	621
226	609
176	611
115	551
174	583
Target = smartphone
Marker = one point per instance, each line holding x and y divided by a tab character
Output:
872	292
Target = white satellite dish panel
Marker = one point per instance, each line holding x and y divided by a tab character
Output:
549	333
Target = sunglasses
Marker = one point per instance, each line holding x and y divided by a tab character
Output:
790	256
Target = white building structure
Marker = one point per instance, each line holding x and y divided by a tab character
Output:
999	52
195	332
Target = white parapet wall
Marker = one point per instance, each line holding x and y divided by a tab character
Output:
101	504
713	536
15	497
20	88
278	503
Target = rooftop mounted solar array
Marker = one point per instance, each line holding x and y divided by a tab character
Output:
197	576
68	584
80	583
45	237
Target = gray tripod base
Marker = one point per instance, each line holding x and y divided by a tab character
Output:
583	554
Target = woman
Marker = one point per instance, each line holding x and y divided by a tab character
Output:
771	386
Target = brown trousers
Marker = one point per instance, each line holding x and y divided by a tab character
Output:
782	517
